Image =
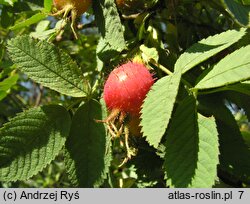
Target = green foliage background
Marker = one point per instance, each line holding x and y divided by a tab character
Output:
195	119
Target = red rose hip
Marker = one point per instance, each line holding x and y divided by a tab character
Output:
126	88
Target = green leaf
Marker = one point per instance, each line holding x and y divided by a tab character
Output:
231	69
207	48
42	32
158	106
208	154
142	26
87	154
243	87
246	137
31	140
47	4
8	2
46	64
149	54
240	12
182	145
110	26
7	68
244	2
104	50
3	94
191	156
32	20
6	85
234	153
147	171
7	18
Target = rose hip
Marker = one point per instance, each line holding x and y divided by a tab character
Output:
126	88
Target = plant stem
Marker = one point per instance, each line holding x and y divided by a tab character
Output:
168	72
